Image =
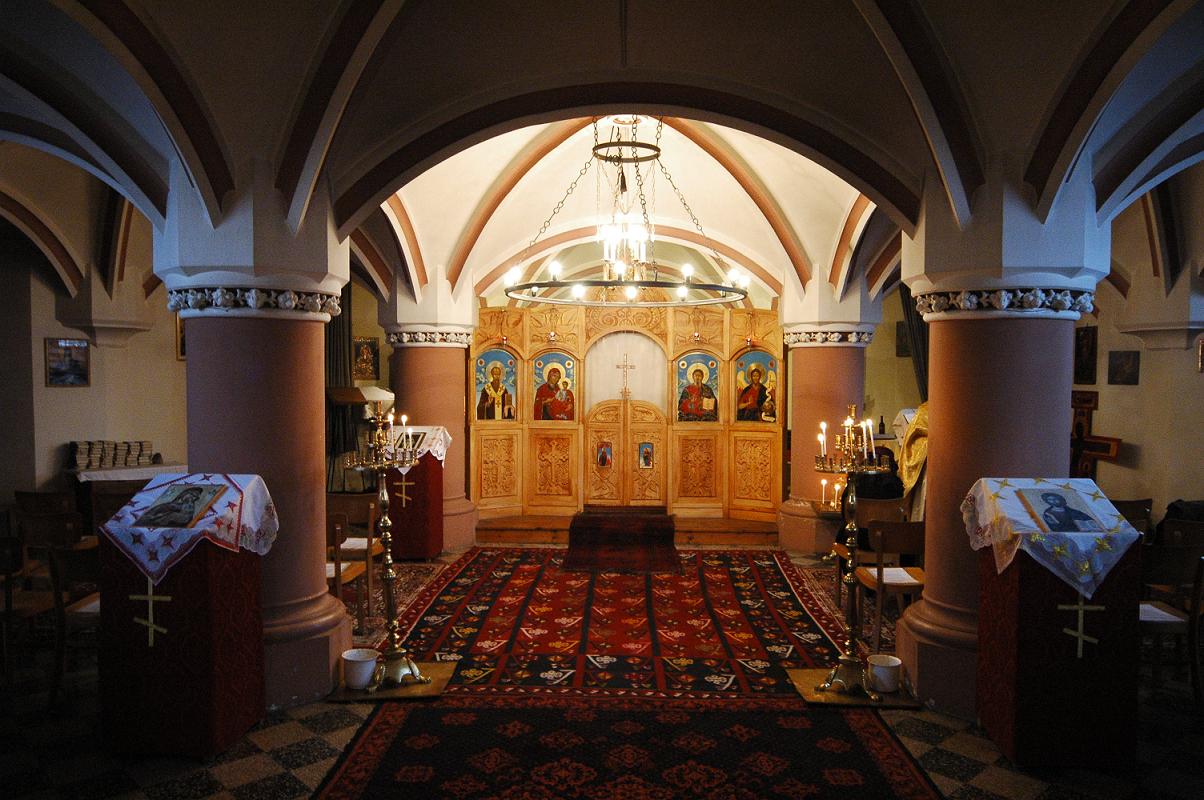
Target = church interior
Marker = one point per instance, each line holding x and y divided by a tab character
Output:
609	366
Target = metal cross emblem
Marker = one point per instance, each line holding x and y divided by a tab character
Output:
150	597
1079	634
626	370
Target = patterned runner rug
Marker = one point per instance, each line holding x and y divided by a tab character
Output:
609	685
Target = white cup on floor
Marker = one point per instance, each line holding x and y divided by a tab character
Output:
359	666
884	672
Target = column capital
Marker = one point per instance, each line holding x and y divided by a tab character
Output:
429	336
833	334
233	301
1032	302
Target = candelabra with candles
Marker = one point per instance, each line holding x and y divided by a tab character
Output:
387	452
853	454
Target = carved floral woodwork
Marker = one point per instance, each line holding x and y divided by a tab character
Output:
752	470
499	326
556	325
648	484
553	465
697	467
653	322
693	327
499	472
754	328
604	480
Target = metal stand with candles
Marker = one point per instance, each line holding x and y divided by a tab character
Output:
384	452
854	454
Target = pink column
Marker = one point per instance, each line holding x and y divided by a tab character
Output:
998	406
431	386
255	405
825	380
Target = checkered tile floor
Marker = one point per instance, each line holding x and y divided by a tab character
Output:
58	755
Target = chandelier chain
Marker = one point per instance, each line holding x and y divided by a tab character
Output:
639	182
568	193
693	218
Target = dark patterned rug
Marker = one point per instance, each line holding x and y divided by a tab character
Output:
607	685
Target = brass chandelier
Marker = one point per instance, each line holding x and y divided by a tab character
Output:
631	275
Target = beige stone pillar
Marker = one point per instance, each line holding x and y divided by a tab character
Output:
827	375
255	405
998	406
429	377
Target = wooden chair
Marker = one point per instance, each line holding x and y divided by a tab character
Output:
339	572
44	502
891	540
39	533
1179	532
74	578
362	542
1182	568
20	604
1139	513
868	510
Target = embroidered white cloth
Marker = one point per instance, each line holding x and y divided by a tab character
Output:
436	441
1067	525
241	516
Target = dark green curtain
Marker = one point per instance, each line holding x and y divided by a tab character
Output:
917	337
340	420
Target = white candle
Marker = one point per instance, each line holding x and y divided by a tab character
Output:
409	437
823	491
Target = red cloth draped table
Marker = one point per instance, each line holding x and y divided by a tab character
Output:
181	645
416	498
1058	634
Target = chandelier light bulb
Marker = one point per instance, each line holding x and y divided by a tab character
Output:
578	291
554	270
687	270
620	268
513	276
630	292
681	291
733	275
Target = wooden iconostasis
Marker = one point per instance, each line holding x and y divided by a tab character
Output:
712	447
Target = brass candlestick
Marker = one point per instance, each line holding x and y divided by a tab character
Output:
386	453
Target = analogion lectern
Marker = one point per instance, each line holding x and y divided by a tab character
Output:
1058	634
181	645
416	497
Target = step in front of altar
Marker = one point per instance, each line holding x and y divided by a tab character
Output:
548	529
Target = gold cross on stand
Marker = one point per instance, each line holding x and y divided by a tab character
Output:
1079	634
150	597
402	485
626	369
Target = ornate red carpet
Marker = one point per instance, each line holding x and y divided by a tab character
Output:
606	685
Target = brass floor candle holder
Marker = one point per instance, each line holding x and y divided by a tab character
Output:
385	453
849	675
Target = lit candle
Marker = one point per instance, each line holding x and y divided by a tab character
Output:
823	491
823	439
409	437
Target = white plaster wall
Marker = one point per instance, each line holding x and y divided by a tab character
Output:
136	392
1160	420
890	381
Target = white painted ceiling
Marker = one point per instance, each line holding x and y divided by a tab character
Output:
444	201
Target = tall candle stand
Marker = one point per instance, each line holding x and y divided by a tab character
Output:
386	452
853	454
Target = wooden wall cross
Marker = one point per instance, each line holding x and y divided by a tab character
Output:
1087	449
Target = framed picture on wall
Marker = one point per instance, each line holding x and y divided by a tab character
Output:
1086	342
68	363
365	350
1124	367
181	353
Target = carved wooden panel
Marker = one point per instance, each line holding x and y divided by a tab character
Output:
498	466
498	326
754	467
698	327
600	321
552	469
604	471
759	326
697	462
609	411
558	326
648	482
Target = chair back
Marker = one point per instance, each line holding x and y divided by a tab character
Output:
904	538
1138	513
71	568
60	529
359	508
870	510
336	530
1178	532
1173	565
44	502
